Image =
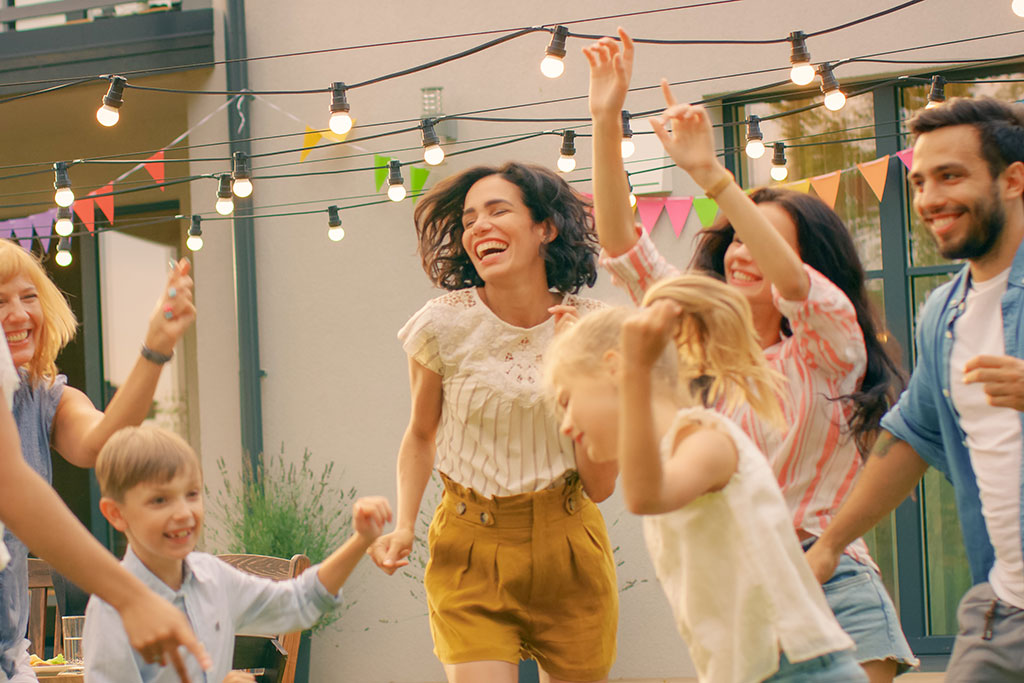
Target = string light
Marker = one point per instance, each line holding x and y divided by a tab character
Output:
195	234
340	122
107	114
567	160
241	175
755	140
1018	7
802	72
62	184
627	136
779	171
834	97
64	226
632	197
937	95
552	65
432	152
225	202
63	256
335	232
396	186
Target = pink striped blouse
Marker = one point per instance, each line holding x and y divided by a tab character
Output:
815	459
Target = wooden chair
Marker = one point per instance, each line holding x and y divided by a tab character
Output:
40	584
282	650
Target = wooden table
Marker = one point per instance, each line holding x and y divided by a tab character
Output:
69	677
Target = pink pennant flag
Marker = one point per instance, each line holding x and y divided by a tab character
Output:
85	209
155	166
678	211
827	187
106	203
875	172
906	156
648	209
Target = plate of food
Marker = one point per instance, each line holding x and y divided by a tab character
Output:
49	667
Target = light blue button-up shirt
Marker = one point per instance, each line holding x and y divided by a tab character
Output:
219	601
926	418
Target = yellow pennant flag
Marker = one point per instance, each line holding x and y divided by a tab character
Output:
802	186
309	141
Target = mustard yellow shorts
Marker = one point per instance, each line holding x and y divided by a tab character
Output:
523	576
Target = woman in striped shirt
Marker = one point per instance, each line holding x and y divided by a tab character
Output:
520	562
794	260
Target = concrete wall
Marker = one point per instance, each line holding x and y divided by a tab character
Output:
336	376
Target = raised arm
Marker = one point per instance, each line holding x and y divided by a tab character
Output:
79	429
685	131
415	462
703	460
610	71
369	515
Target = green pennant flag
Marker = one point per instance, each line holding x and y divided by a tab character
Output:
417	179
380	170
706	209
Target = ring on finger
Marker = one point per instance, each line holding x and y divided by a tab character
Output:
172	292
169	312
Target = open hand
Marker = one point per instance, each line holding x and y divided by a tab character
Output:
174	311
645	333
610	71
369	516
1002	378
685	131
390	550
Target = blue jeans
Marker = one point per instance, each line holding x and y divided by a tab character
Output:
835	667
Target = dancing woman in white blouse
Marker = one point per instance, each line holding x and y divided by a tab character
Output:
520	562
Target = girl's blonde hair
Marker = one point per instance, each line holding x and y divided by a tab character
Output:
58	324
716	352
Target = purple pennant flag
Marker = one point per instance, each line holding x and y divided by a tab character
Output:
20	229
43	223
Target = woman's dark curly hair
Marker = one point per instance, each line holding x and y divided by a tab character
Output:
825	245
570	259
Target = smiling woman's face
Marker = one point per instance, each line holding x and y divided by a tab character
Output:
742	272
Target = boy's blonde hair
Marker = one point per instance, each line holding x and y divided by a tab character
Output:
716	349
136	455
58	324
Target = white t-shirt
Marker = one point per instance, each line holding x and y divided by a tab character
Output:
8	383
993	434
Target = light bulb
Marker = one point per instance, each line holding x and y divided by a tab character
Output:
1018	7
242	187
64	227
107	115
396	193
336	234
64	196
340	122
225	205
63	258
194	242
566	164
552	66
433	155
802	73
627	148
779	173
755	149
834	100
632	200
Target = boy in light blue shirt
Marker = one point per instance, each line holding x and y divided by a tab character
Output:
152	492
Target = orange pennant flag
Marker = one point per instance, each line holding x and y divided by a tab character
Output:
155	166
802	186
86	211
875	172
309	141
827	187
106	203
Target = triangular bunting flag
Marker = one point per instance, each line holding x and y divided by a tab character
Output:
906	156
678	211
875	172
105	203
155	166
380	170
802	186
85	209
417	179
21	230
706	209
44	227
309	141
827	187
648	209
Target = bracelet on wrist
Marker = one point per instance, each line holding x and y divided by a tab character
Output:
155	356
725	181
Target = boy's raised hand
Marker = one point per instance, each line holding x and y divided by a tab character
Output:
685	131
369	516
610	72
